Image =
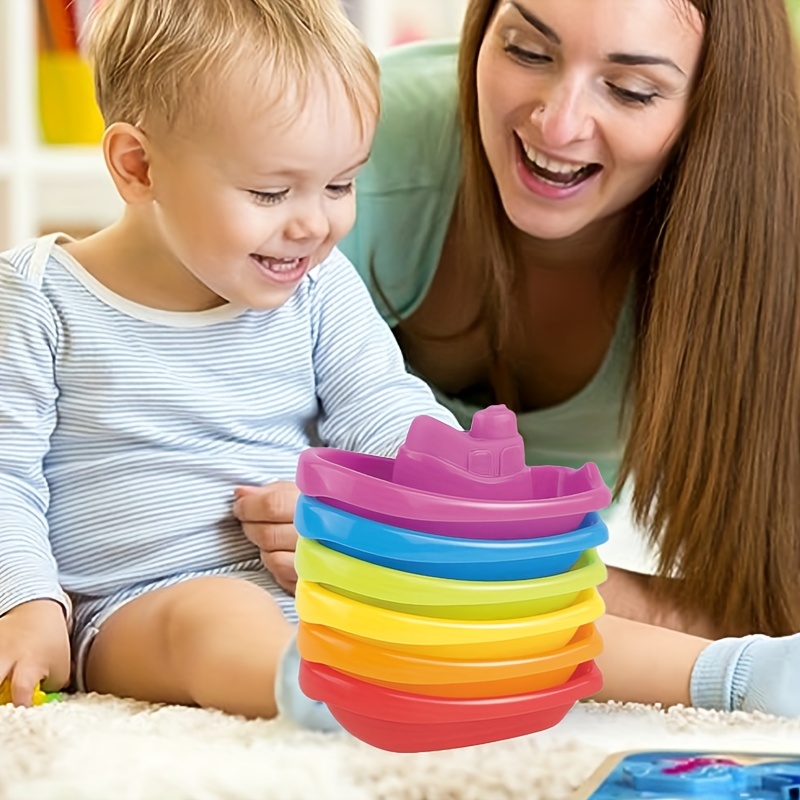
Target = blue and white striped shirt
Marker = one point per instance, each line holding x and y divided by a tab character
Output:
124	429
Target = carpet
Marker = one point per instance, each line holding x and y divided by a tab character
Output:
92	747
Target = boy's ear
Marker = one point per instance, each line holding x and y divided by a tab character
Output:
126	150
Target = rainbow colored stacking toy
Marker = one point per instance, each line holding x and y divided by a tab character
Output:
447	596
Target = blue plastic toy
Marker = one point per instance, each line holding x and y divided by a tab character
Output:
656	775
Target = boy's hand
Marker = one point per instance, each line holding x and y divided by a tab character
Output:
34	646
267	517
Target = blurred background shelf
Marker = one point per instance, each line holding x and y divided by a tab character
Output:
65	187
68	160
41	186
389	22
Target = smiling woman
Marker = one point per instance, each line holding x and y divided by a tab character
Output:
576	120
573	215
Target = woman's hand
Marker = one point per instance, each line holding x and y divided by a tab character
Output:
267	517
34	647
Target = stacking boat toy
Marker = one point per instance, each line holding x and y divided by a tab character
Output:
447	597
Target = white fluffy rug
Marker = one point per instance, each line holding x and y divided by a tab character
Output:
98	748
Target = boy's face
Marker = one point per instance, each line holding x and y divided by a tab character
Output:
258	193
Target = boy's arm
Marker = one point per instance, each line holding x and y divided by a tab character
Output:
368	398
28	391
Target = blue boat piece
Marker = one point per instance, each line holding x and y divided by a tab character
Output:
446	556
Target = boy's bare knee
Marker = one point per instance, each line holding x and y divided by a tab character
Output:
214	642
224	636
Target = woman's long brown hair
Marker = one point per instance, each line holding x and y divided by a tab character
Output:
713	413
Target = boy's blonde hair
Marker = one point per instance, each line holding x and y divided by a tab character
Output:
157	59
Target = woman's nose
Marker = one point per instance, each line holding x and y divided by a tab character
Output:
563	116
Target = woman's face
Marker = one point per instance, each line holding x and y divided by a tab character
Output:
580	102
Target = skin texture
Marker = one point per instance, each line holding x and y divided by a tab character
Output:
211	642
645	663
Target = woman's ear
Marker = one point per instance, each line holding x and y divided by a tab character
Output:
126	151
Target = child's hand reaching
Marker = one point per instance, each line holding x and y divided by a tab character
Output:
267	517
34	646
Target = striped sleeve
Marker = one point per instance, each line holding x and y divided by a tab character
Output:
28	337
368	398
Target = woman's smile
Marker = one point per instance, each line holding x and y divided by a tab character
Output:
552	177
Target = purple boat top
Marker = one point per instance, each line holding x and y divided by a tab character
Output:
472	484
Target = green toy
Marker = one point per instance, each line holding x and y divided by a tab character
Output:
39	697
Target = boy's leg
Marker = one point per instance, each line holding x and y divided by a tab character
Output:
211	641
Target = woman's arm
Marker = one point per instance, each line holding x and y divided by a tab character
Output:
643	663
646	664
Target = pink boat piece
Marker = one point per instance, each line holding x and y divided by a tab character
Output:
472	484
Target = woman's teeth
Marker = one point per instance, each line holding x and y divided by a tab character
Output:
554	171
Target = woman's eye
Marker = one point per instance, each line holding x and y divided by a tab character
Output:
525	56
340	189
268	198
632	98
